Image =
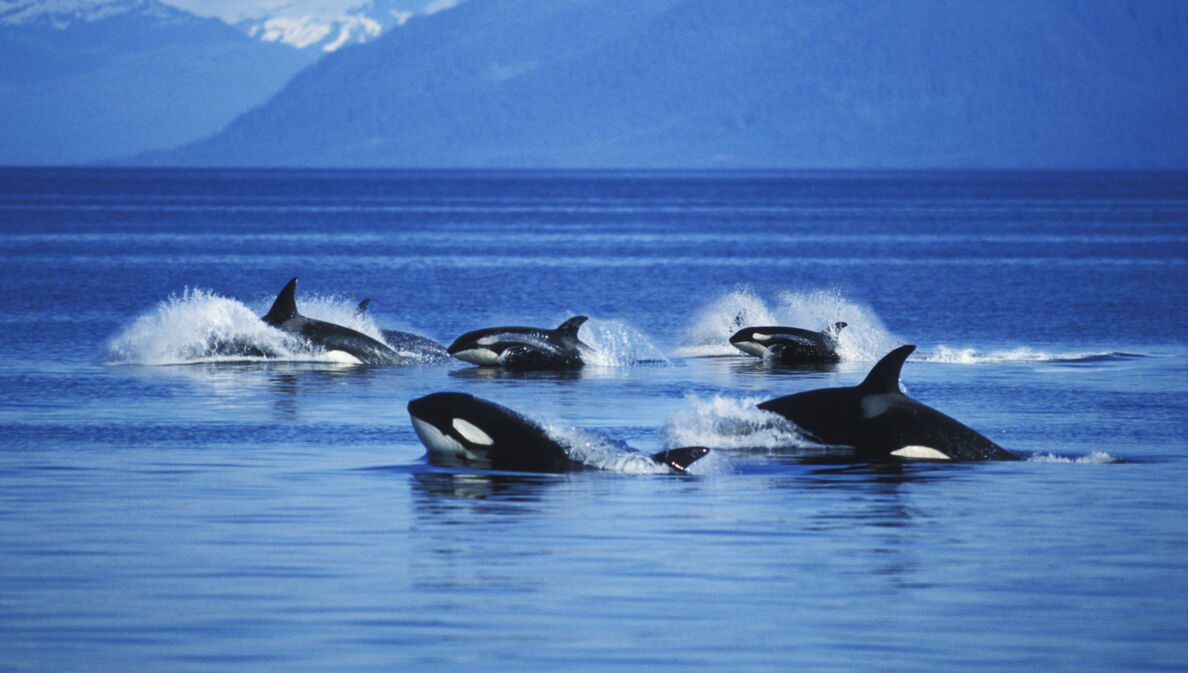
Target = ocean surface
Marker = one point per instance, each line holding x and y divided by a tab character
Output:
164	507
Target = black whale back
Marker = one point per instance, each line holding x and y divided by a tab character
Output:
876	419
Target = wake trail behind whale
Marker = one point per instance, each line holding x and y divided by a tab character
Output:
1023	354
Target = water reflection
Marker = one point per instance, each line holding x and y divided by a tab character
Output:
491	488
469	536
241	384
882	517
759	366
499	374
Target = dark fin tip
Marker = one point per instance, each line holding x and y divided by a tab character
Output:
680	459
285	306
839	326
363	306
884	376
571	326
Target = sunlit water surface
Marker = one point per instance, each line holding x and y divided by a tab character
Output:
165	509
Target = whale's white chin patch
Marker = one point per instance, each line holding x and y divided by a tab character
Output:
438	442
752	348
919	453
472	433
478	356
342	357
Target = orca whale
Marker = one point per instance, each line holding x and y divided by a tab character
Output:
408	344
523	347
462	430
789	345
881	423
343	342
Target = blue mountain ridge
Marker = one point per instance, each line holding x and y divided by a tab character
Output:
750	84
135	77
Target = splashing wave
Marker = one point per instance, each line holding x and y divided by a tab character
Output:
617	344
864	339
201	326
734	423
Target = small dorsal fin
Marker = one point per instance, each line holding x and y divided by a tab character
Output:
570	327
837	327
285	306
362	308
884	376
680	459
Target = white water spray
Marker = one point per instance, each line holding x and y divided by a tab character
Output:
865	338
201	326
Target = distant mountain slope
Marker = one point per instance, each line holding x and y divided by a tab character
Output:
329	29
750	83
82	80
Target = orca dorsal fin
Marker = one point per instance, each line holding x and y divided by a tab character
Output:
285	306
570	327
362	308
837	327
680	459
884	376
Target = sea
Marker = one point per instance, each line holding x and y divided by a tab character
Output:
167	506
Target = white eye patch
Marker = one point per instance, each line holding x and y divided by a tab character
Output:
759	336
919	453
471	433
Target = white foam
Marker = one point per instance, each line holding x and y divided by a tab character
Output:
201	326
732	423
1094	458
595	449
865	338
1022	355
197	326
614	343
709	333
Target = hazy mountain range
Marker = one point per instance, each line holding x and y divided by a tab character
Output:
83	81
659	83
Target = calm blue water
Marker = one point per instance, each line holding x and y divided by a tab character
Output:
161	510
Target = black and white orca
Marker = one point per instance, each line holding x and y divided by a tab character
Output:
523	347
462	430
881	423
410	345
342	343
789	345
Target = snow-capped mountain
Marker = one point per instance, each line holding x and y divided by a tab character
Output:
329	29
316	25
82	80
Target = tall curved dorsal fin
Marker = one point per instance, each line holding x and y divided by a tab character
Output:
884	376
285	306
570	327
